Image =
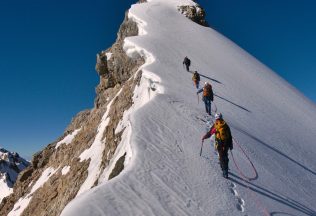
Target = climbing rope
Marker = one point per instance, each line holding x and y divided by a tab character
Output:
255	173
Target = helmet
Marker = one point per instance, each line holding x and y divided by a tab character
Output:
218	116
206	83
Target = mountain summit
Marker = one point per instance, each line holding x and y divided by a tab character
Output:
137	151
11	164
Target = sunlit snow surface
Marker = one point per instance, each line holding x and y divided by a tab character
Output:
273	123
65	170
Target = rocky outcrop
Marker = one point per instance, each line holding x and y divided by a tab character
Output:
118	68
194	13
119	166
117	73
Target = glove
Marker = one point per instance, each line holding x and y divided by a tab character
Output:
202	139
231	147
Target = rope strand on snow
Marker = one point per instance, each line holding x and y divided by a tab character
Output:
254	170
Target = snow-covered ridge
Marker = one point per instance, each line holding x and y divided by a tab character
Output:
270	120
149	87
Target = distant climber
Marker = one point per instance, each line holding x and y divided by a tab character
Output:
187	63
207	96
223	141
196	79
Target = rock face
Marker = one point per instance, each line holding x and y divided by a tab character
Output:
194	13
11	164
117	73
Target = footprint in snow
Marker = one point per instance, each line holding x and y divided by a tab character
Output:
240	205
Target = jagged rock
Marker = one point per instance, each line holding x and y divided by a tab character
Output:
119	166
40	159
194	13
119	67
25	174
78	121
101	65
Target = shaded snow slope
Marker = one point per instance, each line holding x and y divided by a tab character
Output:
10	166
273	122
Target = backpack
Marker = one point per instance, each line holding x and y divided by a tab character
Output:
223	135
187	61
196	77
208	91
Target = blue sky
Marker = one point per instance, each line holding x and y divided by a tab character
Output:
48	49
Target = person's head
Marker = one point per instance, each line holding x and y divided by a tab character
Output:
206	83
195	71
218	116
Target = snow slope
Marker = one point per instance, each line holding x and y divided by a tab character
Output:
273	123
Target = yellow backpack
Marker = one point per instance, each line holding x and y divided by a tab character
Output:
222	131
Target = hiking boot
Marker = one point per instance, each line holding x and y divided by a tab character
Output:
225	173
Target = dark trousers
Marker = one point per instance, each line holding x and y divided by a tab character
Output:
223	156
196	83
187	67
207	101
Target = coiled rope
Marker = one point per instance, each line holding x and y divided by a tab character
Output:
254	170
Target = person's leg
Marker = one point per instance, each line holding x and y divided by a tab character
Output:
220	157
225	162
195	83
225	159
206	106
208	109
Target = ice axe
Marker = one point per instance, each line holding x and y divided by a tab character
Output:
201	147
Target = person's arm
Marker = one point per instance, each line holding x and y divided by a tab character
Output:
209	133
199	91
213	130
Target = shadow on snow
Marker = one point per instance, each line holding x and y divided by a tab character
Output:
275	150
265	192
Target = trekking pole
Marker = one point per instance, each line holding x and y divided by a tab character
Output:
198	99
201	148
